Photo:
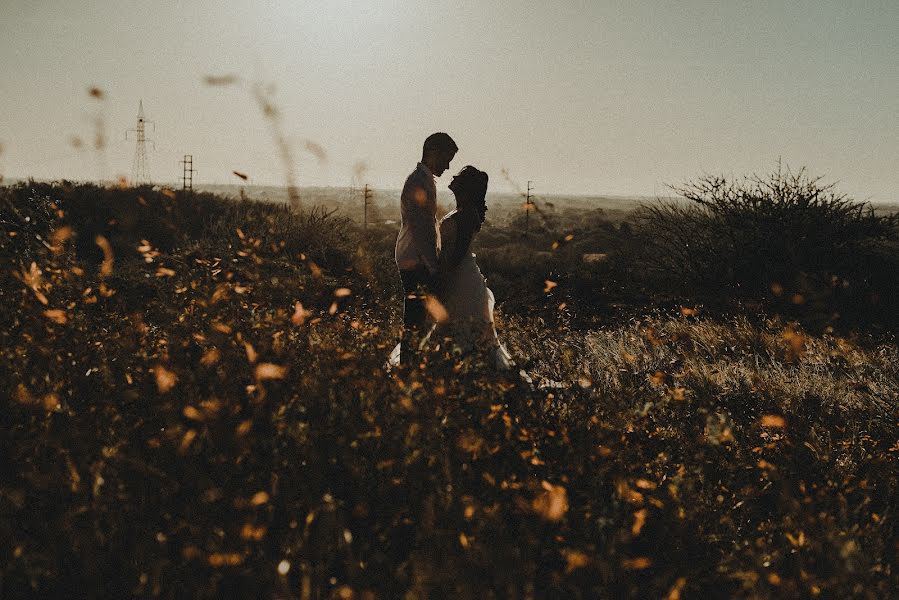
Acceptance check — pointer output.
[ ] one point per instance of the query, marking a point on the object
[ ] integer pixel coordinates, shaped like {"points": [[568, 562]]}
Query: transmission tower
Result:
{"points": [[366, 197], [140, 173], [187, 177], [527, 207]]}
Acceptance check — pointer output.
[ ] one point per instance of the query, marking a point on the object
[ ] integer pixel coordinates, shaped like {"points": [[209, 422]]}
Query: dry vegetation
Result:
{"points": [[195, 406]]}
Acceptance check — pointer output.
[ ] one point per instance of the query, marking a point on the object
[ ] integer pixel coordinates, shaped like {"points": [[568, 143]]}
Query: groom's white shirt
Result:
{"points": [[418, 242]]}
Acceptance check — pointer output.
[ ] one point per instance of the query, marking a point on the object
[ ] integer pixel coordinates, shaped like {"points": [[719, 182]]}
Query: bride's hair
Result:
{"points": [[473, 183], [470, 187]]}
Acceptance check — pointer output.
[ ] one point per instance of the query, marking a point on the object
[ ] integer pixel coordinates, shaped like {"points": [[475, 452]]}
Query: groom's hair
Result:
{"points": [[437, 142]]}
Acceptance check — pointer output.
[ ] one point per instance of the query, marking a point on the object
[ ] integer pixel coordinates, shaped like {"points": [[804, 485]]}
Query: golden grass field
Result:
{"points": [[195, 405]]}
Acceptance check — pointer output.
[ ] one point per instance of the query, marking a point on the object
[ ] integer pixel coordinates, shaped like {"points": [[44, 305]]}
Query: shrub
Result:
{"points": [[172, 221], [783, 234]]}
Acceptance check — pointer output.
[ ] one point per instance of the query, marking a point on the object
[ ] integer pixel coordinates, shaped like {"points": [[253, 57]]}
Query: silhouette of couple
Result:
{"points": [[444, 290]]}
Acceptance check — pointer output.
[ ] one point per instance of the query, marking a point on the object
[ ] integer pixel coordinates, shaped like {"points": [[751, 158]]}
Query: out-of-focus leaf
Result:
{"points": [[270, 371], [552, 502]]}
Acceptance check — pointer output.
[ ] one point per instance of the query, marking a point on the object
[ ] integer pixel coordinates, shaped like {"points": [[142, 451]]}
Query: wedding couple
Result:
{"points": [[445, 294]]}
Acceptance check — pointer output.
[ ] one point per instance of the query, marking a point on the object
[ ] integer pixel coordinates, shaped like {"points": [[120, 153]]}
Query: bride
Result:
{"points": [[464, 292], [468, 325]]}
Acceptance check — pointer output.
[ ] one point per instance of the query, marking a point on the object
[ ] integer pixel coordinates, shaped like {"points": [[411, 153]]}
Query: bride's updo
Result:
{"points": [[470, 187]]}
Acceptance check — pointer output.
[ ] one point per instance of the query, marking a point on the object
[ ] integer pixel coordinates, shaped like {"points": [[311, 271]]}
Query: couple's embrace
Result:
{"points": [[445, 295]]}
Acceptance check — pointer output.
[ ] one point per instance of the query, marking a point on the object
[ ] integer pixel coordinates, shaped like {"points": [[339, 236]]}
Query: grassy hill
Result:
{"points": [[195, 405]]}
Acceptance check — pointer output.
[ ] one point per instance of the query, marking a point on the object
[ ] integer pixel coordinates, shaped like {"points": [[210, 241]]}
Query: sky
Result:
{"points": [[586, 98]]}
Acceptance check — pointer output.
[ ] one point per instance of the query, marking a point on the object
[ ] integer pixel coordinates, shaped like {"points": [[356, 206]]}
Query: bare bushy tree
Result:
{"points": [[748, 234]]}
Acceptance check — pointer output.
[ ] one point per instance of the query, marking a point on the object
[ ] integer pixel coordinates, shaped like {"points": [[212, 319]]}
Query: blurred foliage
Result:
{"points": [[195, 405]]}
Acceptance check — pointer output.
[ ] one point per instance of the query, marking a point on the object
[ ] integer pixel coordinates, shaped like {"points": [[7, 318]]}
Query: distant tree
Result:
{"points": [[746, 235]]}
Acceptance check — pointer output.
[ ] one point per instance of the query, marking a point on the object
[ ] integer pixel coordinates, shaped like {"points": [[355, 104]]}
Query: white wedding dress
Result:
{"points": [[469, 326]]}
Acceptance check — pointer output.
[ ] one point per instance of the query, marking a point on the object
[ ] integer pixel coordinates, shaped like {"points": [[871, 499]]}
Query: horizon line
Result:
{"points": [[176, 185]]}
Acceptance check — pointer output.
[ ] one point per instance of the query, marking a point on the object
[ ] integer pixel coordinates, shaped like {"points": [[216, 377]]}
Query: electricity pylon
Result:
{"points": [[527, 208], [140, 173], [366, 197], [187, 176]]}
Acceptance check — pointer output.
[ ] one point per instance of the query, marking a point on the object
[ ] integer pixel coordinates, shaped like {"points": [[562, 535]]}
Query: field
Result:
{"points": [[195, 405]]}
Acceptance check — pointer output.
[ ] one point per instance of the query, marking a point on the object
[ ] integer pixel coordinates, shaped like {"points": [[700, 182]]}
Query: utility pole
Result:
{"points": [[366, 197], [187, 177], [140, 174], [527, 207]]}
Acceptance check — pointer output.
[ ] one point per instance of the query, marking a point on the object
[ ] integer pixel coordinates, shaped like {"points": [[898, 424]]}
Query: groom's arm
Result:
{"points": [[420, 211]]}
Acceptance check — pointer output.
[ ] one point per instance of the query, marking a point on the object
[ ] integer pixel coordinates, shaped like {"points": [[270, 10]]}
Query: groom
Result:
{"points": [[418, 242]]}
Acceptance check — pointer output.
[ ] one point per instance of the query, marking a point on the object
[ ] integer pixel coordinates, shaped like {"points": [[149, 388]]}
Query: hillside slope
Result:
{"points": [[195, 405]]}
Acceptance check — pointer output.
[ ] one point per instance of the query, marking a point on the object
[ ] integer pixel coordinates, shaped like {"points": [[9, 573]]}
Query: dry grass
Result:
{"points": [[175, 424]]}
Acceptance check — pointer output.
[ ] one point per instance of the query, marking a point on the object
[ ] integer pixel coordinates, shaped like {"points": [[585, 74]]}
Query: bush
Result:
{"points": [[783, 235], [173, 220]]}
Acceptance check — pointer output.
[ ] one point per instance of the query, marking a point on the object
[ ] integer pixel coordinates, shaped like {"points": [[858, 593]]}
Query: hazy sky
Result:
{"points": [[582, 97]]}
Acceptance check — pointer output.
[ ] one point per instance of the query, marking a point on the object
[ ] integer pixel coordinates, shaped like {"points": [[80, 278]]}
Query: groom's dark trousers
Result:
{"points": [[417, 285]]}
